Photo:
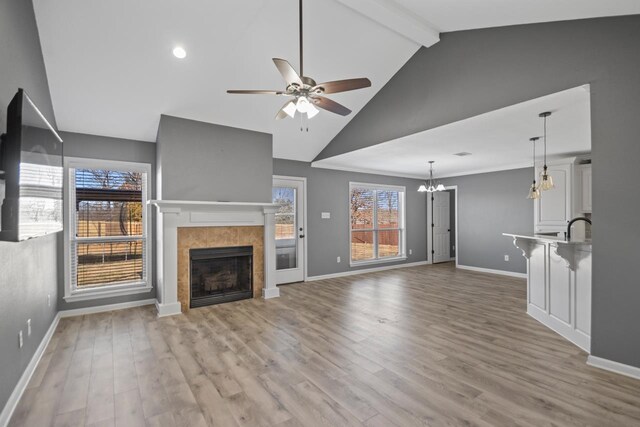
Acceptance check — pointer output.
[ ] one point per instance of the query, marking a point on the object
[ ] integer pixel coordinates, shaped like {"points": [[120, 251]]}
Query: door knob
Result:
{"points": [[301, 236]]}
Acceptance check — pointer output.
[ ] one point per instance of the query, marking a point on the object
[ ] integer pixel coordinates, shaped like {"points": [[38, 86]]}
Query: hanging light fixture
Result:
{"points": [[431, 185], [546, 181], [534, 191]]}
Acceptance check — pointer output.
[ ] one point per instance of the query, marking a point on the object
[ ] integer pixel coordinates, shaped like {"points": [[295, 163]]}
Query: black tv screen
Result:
{"points": [[31, 173]]}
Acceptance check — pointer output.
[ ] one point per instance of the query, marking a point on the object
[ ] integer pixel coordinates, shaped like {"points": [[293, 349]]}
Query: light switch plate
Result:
{"points": [[326, 215]]}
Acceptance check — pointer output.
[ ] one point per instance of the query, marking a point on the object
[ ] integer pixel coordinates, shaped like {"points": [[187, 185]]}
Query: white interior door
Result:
{"points": [[441, 227], [288, 193]]}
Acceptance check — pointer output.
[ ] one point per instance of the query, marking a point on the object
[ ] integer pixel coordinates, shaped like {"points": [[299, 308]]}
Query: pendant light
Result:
{"points": [[431, 185], [534, 191], [546, 181]]}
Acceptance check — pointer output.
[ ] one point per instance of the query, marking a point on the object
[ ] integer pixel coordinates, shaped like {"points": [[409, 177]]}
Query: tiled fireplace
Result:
{"points": [[218, 244], [188, 231]]}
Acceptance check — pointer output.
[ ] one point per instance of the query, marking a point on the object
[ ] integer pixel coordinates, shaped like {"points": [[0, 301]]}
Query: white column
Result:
{"points": [[167, 262], [270, 290]]}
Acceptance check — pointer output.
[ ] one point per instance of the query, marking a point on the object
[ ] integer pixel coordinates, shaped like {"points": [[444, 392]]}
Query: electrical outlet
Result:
{"points": [[20, 341], [338, 260], [28, 327], [326, 215], [410, 251], [49, 300], [506, 257]]}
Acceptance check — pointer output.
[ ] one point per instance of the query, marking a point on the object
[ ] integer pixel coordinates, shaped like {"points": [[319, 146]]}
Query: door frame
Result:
{"points": [[430, 229], [303, 180]]}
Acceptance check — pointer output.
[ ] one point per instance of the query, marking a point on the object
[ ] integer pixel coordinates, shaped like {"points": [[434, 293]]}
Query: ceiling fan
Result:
{"points": [[306, 93]]}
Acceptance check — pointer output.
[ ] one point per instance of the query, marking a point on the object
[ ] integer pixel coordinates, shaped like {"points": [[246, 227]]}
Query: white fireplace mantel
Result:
{"points": [[177, 206], [179, 213]]}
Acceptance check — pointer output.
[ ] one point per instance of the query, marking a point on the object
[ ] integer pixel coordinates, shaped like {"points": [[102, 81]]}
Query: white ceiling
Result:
{"points": [[498, 140], [455, 15], [111, 71]]}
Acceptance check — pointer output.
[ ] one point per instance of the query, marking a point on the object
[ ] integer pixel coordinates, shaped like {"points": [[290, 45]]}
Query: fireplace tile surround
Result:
{"points": [[182, 225], [218, 237]]}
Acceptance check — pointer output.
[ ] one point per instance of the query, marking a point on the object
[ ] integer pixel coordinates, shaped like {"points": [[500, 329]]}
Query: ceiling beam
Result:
{"points": [[397, 19]]}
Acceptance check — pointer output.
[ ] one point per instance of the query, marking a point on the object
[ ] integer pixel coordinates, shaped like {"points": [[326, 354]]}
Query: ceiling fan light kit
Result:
{"points": [[306, 92]]}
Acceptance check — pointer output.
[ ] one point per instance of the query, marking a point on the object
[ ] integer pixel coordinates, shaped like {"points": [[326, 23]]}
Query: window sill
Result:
{"points": [[377, 261], [92, 294]]}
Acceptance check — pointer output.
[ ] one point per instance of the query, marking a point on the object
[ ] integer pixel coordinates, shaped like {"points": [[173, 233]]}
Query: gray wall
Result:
{"points": [[490, 204], [105, 148], [471, 72], [207, 162], [27, 269], [328, 191]]}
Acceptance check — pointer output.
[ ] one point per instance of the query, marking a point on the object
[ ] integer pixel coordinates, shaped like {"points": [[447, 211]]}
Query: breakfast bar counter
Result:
{"points": [[559, 284]]}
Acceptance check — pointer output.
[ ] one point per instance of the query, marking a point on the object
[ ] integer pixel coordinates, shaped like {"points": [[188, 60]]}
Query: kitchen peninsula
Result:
{"points": [[559, 284]]}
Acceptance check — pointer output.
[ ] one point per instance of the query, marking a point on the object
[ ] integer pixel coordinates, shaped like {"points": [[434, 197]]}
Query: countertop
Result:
{"points": [[549, 239]]}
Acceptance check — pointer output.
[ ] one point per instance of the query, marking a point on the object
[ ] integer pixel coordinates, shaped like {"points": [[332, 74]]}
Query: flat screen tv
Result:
{"points": [[30, 173]]}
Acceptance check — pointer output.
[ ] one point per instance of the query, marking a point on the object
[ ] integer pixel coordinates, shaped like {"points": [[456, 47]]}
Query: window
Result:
{"points": [[377, 230], [107, 233]]}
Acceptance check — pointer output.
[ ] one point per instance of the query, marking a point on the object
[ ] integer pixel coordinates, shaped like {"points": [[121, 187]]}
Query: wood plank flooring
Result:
{"points": [[428, 345]]}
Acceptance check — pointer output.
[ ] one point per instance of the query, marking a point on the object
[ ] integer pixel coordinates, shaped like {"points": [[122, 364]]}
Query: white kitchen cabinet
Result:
{"points": [[554, 208], [584, 180]]}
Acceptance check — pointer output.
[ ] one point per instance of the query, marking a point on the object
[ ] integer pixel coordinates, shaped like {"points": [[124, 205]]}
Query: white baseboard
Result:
{"points": [[105, 308], [492, 271], [171, 309], [270, 293], [617, 367], [365, 270], [20, 387]]}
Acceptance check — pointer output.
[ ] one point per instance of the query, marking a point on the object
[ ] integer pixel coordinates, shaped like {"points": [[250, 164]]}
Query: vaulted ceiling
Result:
{"points": [[111, 71]]}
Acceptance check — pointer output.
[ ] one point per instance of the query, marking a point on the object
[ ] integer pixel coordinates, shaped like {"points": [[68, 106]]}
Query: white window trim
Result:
{"points": [[71, 295], [402, 226]]}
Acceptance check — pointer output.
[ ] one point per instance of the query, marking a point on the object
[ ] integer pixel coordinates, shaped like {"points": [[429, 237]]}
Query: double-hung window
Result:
{"points": [[108, 232], [377, 223]]}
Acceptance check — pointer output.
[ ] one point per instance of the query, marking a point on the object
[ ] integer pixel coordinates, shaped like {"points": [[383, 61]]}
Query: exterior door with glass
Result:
{"points": [[288, 194]]}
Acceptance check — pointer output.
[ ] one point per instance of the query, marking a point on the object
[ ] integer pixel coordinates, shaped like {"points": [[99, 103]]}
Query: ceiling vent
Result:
{"points": [[462, 154]]}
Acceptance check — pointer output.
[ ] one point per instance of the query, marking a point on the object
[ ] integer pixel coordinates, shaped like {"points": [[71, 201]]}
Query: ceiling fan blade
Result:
{"points": [[329, 105], [287, 71], [256, 92], [343, 85]]}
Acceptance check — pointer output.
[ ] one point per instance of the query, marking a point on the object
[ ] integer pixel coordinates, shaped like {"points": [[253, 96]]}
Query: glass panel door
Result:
{"points": [[286, 227]]}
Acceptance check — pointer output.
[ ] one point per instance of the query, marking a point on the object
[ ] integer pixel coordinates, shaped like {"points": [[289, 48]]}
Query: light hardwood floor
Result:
{"points": [[418, 346]]}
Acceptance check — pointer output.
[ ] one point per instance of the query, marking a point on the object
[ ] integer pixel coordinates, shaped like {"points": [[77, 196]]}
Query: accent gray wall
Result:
{"points": [[28, 269], [472, 72], [207, 162], [105, 148], [328, 191], [490, 204]]}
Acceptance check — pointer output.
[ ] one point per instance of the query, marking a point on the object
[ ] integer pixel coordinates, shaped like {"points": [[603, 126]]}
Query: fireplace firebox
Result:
{"points": [[220, 275]]}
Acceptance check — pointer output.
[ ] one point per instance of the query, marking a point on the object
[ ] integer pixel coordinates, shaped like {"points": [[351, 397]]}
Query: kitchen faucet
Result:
{"points": [[579, 218]]}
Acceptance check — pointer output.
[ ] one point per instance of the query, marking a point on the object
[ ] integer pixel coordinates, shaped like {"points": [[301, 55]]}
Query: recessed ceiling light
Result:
{"points": [[462, 154], [179, 52]]}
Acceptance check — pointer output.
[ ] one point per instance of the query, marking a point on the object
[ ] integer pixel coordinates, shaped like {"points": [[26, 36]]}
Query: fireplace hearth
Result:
{"points": [[220, 275]]}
